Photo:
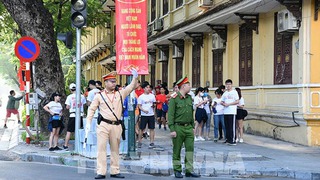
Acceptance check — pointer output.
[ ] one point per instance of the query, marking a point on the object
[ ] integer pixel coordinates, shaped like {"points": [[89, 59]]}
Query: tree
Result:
{"points": [[33, 19], [8, 67]]}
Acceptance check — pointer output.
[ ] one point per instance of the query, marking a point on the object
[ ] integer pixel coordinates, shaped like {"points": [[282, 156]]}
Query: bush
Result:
{"points": [[41, 137], [23, 117]]}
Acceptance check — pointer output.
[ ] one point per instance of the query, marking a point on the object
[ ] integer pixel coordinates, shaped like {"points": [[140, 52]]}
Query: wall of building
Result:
{"points": [[312, 115], [266, 103]]}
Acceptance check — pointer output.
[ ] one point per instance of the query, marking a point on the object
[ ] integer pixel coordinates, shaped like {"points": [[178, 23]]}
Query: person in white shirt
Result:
{"points": [[201, 114], [54, 107], [218, 114], [229, 100], [146, 104], [94, 90], [71, 105], [241, 114]]}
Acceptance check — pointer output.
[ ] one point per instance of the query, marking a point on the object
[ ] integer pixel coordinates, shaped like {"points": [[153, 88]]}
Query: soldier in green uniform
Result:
{"points": [[181, 124]]}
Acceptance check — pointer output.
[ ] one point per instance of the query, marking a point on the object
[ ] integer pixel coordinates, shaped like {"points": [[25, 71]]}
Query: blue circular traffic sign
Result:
{"points": [[27, 49]]}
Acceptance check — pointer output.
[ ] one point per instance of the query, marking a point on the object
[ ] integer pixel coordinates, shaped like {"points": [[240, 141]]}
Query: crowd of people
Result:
{"points": [[188, 116]]}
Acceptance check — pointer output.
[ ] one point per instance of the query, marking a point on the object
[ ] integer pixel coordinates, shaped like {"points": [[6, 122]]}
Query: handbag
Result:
{"points": [[165, 107], [56, 117]]}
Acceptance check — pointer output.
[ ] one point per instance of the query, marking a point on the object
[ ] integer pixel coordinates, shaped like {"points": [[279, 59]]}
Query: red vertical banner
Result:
{"points": [[131, 36]]}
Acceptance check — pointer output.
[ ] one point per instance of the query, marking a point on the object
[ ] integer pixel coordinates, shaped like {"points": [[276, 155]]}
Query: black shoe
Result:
{"points": [[57, 148], [151, 146], [51, 149], [65, 147], [178, 174], [19, 122], [165, 128], [116, 176], [220, 138], [159, 126], [99, 176], [193, 175], [5, 126]]}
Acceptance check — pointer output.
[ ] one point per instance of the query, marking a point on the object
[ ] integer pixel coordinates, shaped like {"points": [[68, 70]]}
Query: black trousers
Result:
{"points": [[220, 130], [230, 124]]}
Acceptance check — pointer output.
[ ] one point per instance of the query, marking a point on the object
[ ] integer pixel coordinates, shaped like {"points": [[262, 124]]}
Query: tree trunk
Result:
{"points": [[36, 21]]}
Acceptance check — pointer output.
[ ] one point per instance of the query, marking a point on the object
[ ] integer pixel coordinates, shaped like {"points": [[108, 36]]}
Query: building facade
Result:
{"points": [[269, 48]]}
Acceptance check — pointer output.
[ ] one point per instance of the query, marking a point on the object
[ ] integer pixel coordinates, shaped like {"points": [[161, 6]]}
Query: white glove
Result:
{"points": [[134, 73], [87, 130]]}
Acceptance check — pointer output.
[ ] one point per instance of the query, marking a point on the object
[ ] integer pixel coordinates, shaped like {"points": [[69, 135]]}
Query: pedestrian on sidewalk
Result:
{"points": [[181, 124], [71, 104], [218, 114], [146, 104], [54, 107], [110, 103], [222, 88], [11, 107], [229, 100], [162, 104], [241, 114], [92, 93], [201, 114], [206, 126]]}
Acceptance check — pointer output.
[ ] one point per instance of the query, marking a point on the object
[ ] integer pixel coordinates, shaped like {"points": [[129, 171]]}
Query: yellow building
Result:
{"points": [[267, 47]]}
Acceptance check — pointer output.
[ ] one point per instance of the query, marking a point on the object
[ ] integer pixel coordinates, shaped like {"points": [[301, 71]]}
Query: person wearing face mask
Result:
{"points": [[207, 107], [201, 114]]}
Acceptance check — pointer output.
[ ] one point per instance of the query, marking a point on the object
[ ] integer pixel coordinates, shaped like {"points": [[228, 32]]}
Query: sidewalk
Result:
{"points": [[257, 156]]}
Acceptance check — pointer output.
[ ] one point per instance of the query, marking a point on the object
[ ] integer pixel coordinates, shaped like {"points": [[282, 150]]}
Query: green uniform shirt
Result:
{"points": [[11, 102], [180, 111]]}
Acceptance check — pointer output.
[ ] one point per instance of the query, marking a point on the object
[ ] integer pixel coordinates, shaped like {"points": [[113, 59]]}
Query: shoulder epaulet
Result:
{"points": [[174, 95]]}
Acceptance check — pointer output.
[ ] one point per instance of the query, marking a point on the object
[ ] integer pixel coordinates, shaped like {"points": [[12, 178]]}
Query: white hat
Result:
{"points": [[72, 86]]}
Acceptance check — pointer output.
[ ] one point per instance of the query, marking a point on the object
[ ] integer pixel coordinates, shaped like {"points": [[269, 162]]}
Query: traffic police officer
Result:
{"points": [[181, 124], [109, 129]]}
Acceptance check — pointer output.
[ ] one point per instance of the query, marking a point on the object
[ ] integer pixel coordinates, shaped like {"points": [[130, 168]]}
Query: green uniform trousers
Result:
{"points": [[184, 135]]}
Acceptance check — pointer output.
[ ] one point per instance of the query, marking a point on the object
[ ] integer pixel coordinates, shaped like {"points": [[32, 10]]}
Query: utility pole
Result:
{"points": [[78, 20]]}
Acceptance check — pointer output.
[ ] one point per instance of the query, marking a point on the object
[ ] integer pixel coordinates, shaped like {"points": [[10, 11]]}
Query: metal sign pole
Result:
{"points": [[78, 89]]}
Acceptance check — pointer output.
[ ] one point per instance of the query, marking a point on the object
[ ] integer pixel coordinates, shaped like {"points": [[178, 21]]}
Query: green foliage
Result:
{"points": [[70, 77], [8, 63], [23, 117], [41, 137], [23, 136], [60, 10]]}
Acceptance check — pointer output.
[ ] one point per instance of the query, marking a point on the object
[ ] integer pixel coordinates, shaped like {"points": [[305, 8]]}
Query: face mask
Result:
{"points": [[205, 94], [201, 94]]}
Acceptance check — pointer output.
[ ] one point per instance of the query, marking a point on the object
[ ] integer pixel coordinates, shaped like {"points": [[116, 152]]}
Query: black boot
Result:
{"points": [[178, 174], [99, 176], [116, 176], [192, 174]]}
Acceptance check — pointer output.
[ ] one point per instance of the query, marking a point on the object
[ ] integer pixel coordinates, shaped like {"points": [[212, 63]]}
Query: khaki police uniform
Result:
{"points": [[110, 132]]}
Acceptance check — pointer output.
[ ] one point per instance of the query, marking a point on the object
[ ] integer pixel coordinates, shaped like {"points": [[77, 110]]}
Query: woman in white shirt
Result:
{"points": [[201, 114], [54, 107], [241, 114]]}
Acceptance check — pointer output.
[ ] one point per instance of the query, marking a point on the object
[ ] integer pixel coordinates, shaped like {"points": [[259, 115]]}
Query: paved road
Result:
{"points": [[33, 171]]}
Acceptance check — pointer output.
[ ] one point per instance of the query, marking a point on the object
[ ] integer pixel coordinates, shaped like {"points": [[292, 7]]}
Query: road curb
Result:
{"points": [[76, 161]]}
